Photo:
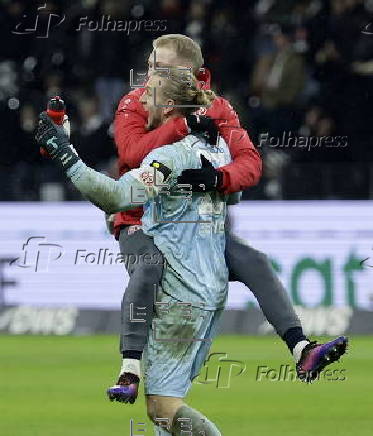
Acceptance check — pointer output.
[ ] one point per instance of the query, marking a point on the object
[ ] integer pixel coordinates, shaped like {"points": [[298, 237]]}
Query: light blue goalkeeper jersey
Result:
{"points": [[188, 228]]}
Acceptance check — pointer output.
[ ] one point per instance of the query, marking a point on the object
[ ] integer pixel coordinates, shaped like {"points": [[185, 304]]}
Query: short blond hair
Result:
{"points": [[185, 48], [181, 86]]}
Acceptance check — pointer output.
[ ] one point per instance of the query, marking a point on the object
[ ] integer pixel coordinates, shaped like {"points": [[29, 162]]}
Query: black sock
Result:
{"points": [[132, 354], [292, 336]]}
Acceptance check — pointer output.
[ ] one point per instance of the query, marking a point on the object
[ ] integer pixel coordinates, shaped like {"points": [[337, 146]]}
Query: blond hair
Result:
{"points": [[181, 86], [185, 48]]}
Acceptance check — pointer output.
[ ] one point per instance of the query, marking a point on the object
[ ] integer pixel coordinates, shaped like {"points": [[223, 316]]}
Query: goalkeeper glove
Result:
{"points": [[202, 179], [55, 141], [203, 125]]}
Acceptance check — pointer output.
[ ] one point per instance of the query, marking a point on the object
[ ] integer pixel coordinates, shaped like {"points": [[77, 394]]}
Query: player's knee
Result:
{"points": [[260, 259], [240, 256], [161, 410], [248, 263], [157, 409]]}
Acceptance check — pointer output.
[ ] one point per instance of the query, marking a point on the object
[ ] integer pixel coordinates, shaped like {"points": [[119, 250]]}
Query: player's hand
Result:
{"points": [[109, 218], [67, 128], [55, 141], [202, 124], [202, 179]]}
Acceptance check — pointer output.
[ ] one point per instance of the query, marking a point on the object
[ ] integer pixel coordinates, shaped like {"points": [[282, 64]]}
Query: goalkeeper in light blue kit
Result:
{"points": [[188, 228]]}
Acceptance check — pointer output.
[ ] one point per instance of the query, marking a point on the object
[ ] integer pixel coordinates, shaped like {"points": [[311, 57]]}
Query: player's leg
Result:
{"points": [[161, 411], [144, 264], [254, 269], [177, 347], [174, 417]]}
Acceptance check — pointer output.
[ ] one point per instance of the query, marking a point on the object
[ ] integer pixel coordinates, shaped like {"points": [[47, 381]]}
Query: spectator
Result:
{"points": [[278, 80], [312, 76]]}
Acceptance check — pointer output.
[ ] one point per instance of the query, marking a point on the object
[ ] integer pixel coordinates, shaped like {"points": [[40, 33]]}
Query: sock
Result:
{"points": [[297, 351], [188, 419], [132, 354], [132, 366], [292, 336]]}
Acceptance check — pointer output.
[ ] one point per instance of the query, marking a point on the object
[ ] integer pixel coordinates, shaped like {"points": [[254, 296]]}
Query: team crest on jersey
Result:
{"points": [[201, 111], [147, 178]]}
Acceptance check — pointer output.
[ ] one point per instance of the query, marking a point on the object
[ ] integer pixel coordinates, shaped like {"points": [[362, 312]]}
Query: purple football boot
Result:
{"points": [[315, 357], [126, 389]]}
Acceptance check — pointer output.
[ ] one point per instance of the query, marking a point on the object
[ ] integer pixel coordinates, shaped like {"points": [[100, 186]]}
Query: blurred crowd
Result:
{"points": [[298, 72]]}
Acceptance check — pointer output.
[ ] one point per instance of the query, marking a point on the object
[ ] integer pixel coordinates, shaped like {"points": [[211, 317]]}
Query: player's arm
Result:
{"points": [[134, 188], [246, 166], [245, 169]]}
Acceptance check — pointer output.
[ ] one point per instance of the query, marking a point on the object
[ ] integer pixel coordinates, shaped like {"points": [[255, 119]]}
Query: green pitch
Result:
{"points": [[55, 386]]}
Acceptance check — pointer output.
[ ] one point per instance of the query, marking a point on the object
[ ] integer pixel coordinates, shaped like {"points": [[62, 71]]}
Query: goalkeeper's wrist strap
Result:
{"points": [[66, 157]]}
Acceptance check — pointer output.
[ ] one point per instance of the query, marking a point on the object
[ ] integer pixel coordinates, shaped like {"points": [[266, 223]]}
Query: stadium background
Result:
{"points": [[321, 244]]}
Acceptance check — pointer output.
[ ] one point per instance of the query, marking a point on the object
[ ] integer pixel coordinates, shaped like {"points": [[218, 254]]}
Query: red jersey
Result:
{"points": [[134, 143]]}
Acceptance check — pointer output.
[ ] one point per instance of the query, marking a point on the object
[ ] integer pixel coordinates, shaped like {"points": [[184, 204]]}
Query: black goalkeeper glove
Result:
{"points": [[202, 179], [203, 125], [55, 141]]}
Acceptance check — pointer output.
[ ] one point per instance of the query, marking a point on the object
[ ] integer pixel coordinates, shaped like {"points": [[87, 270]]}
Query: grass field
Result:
{"points": [[55, 386]]}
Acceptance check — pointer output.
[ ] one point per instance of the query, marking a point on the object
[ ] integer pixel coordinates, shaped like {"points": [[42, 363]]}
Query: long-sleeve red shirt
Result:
{"points": [[134, 142]]}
